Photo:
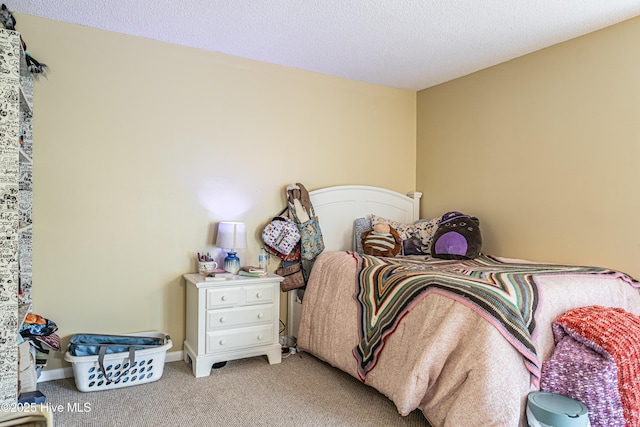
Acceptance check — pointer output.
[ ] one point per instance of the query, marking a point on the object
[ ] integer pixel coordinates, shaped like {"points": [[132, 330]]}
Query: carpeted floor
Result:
{"points": [[300, 391]]}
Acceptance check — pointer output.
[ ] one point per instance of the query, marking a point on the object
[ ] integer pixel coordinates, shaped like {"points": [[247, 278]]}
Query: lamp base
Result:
{"points": [[232, 263]]}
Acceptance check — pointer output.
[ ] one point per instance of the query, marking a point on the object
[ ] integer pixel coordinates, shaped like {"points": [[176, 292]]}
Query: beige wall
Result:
{"points": [[141, 147], [544, 149]]}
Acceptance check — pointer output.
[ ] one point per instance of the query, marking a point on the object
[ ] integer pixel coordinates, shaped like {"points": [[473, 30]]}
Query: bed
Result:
{"points": [[443, 357]]}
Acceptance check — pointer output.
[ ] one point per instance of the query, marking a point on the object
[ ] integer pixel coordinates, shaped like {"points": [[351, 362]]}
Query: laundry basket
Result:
{"points": [[132, 364]]}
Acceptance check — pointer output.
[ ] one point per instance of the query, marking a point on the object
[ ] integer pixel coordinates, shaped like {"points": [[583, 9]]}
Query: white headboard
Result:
{"points": [[338, 207]]}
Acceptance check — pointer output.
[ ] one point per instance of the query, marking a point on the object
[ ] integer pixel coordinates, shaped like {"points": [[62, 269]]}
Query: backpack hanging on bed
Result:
{"points": [[278, 235], [281, 234]]}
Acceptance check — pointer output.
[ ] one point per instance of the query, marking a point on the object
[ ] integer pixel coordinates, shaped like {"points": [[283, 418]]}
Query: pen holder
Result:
{"points": [[206, 267]]}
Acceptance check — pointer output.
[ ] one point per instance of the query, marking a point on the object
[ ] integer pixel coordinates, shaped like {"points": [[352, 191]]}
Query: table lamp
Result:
{"points": [[232, 236]]}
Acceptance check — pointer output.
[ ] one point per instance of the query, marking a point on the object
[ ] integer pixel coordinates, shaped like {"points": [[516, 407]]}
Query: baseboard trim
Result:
{"points": [[174, 356], [61, 373], [55, 374]]}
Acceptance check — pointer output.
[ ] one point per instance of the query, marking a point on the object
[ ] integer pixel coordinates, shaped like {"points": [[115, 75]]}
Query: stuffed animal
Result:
{"points": [[382, 240], [457, 237]]}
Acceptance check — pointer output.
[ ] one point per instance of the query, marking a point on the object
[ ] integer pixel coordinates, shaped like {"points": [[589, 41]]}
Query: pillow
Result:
{"points": [[416, 237], [360, 225], [457, 237]]}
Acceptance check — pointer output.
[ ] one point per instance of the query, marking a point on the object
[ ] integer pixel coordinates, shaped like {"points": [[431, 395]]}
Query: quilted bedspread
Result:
{"points": [[444, 357], [503, 293]]}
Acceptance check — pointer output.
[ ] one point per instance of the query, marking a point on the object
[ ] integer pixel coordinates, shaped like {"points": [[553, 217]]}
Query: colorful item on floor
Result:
{"points": [[605, 342], [35, 324], [40, 332]]}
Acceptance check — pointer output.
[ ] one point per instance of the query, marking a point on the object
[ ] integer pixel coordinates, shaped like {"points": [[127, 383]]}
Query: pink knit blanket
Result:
{"points": [[615, 334]]}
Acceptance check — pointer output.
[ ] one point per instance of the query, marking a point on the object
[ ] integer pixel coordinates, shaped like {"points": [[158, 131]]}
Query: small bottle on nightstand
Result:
{"points": [[263, 259]]}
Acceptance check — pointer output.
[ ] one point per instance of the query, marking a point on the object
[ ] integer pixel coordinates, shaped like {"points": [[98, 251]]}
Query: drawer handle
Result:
{"points": [[221, 342], [260, 315], [223, 297], [259, 295], [222, 320], [259, 337]]}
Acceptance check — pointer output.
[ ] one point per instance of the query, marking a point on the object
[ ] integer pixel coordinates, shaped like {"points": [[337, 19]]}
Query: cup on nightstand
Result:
{"points": [[206, 267]]}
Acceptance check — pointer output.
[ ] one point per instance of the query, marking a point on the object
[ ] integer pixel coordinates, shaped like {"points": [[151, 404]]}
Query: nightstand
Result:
{"points": [[231, 319]]}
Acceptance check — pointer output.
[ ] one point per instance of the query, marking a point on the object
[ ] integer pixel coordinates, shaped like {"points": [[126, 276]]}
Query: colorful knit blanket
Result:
{"points": [[604, 339], [503, 293]]}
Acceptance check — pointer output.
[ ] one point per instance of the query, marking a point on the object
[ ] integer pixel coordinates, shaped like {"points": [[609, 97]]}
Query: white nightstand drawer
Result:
{"points": [[241, 316], [235, 338], [258, 293], [223, 297]]}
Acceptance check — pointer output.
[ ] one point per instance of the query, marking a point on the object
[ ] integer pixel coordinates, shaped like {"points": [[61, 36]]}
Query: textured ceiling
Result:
{"points": [[409, 44]]}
